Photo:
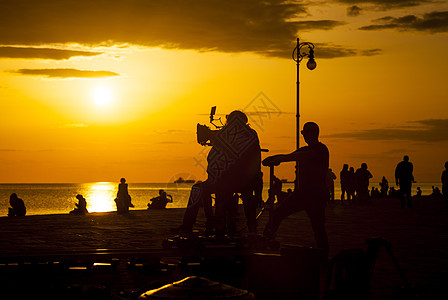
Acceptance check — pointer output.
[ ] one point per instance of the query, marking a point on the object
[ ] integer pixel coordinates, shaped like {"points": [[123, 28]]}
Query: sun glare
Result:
{"points": [[101, 196], [102, 96]]}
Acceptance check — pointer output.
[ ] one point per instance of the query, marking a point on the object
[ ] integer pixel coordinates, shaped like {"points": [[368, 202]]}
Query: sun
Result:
{"points": [[102, 96]]}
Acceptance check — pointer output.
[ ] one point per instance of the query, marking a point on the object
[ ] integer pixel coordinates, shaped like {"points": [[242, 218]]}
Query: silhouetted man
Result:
{"points": [[330, 184], [362, 176], [404, 179], [445, 183], [234, 165], [311, 193], [344, 178]]}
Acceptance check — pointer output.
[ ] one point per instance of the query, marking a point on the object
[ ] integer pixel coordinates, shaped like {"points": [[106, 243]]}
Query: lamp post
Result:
{"points": [[302, 50]]}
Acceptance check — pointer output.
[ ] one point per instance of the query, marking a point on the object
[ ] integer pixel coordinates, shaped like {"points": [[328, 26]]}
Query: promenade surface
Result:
{"points": [[419, 236]]}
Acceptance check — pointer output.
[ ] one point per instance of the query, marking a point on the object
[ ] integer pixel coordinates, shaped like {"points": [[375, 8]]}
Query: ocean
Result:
{"points": [[59, 198]]}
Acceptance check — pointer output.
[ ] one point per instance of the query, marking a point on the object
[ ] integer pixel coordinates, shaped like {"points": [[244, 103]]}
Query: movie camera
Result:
{"points": [[204, 133]]}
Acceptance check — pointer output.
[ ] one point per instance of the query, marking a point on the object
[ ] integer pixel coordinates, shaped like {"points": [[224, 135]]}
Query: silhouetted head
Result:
{"points": [[122, 180], [13, 196], [237, 115], [406, 158], [352, 169], [310, 132], [79, 197], [161, 192], [345, 167], [364, 166]]}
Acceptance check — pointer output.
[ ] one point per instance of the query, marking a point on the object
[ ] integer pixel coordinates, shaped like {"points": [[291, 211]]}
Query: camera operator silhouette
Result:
{"points": [[234, 165], [311, 193]]}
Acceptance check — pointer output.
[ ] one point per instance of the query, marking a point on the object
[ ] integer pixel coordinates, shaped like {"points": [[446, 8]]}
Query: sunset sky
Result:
{"points": [[98, 90]]}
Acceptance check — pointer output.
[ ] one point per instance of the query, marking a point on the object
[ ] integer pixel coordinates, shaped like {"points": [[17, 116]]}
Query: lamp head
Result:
{"points": [[311, 64]]}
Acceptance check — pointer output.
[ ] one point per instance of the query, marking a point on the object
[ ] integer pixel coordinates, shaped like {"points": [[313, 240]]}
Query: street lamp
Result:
{"points": [[302, 50]]}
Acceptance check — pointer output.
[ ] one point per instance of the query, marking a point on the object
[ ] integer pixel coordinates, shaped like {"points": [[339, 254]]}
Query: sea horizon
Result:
{"points": [[59, 198]]}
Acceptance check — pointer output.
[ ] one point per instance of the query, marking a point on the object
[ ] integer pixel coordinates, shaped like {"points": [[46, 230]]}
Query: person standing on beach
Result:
{"points": [[311, 193], [404, 179], [344, 178], [384, 184], [351, 184], [362, 176], [330, 184], [18, 206], [445, 183]]}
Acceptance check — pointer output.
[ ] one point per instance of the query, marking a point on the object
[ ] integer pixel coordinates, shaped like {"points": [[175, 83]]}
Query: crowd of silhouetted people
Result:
{"points": [[355, 185]]}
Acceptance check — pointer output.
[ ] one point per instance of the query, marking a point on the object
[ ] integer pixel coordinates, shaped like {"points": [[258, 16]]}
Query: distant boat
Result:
{"points": [[181, 180]]}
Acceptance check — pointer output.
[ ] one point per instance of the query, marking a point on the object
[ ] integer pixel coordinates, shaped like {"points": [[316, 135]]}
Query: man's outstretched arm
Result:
{"points": [[275, 160]]}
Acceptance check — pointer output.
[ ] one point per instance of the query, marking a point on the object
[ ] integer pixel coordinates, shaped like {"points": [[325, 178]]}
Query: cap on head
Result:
{"points": [[237, 115]]}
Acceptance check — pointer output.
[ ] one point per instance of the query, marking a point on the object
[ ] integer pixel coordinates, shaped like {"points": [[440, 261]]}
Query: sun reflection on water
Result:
{"points": [[100, 197]]}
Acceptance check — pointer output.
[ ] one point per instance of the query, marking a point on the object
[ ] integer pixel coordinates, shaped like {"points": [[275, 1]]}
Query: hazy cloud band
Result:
{"points": [[65, 73], [42, 53], [430, 130]]}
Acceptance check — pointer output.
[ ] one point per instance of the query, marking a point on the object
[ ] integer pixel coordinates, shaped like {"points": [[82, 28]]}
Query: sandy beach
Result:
{"points": [[419, 237]]}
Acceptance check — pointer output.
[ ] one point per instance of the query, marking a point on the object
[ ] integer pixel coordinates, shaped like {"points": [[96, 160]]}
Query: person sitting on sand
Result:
{"points": [[123, 199], [18, 206], [160, 201], [81, 206]]}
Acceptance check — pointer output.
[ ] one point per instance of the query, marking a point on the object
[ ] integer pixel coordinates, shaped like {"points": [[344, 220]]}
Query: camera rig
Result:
{"points": [[204, 133]]}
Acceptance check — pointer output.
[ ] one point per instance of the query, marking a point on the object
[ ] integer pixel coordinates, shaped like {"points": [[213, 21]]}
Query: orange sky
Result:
{"points": [[99, 90]]}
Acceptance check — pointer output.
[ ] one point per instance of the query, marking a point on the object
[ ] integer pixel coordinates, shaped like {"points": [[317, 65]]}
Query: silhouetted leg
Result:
{"points": [[232, 212], [290, 205], [409, 195], [250, 210], [206, 199], [221, 202], [405, 192], [316, 213], [191, 212]]}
